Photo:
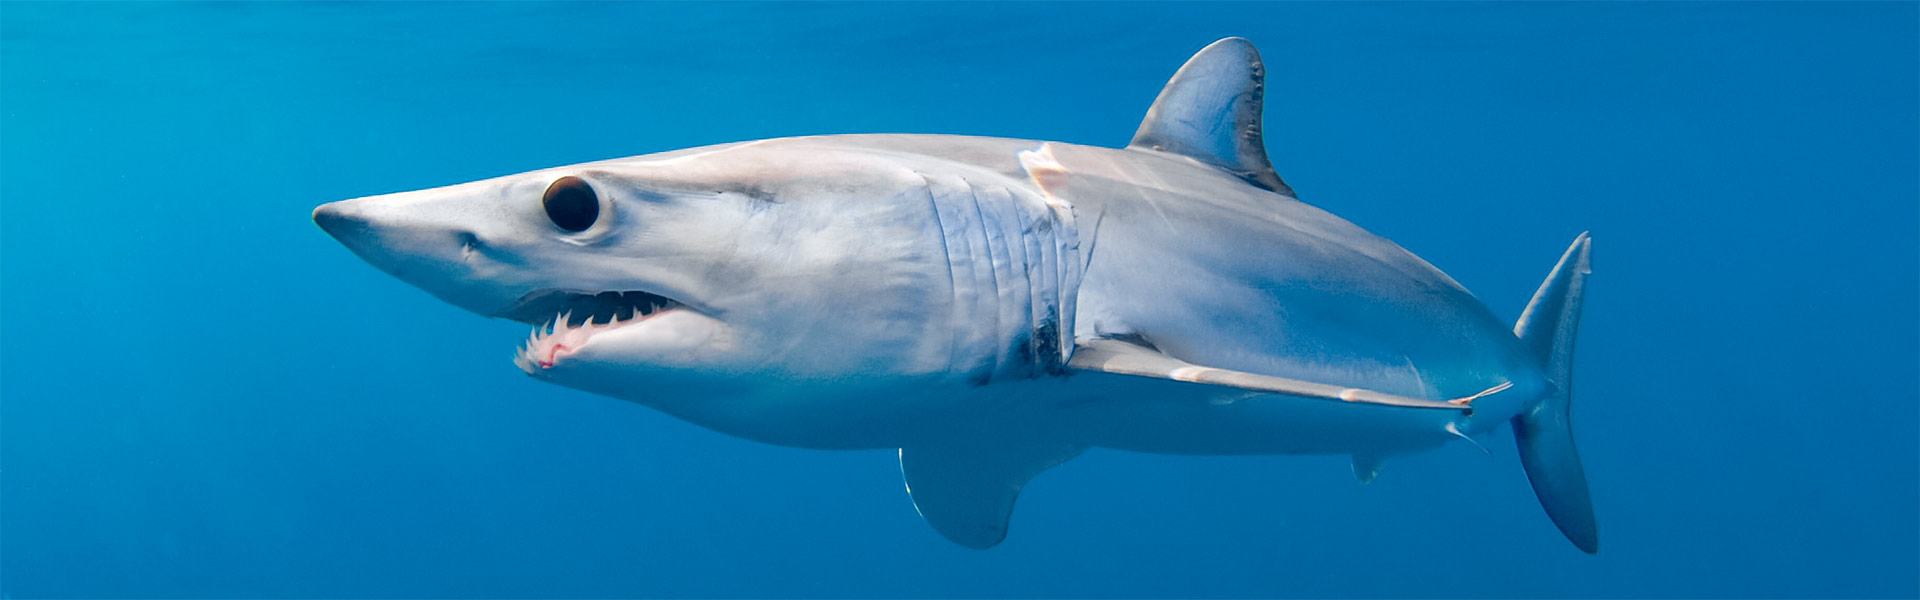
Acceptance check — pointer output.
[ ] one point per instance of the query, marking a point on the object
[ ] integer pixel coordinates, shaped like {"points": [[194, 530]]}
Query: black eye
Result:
{"points": [[571, 204]]}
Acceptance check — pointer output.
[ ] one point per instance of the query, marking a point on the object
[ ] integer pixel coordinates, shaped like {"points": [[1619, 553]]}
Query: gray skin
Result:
{"points": [[1209, 270], [993, 306]]}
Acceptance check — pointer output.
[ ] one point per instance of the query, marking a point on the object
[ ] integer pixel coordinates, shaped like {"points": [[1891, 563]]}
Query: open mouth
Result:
{"points": [[564, 321], [545, 306]]}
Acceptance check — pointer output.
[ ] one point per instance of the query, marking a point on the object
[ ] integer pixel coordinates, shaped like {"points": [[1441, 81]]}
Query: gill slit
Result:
{"points": [[953, 280], [1017, 304], [1033, 266], [993, 272]]}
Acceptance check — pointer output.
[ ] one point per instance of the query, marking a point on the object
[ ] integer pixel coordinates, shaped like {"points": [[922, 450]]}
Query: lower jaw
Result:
{"points": [[674, 343], [548, 345]]}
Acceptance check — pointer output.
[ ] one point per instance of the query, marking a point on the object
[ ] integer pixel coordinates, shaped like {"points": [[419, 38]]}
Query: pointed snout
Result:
{"points": [[375, 236], [339, 219], [382, 229], [368, 233], [423, 242]]}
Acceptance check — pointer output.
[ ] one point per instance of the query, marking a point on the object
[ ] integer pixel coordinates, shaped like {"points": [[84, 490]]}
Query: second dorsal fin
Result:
{"points": [[1210, 111]]}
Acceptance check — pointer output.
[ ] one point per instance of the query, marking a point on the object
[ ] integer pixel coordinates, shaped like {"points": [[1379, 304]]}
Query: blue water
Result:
{"points": [[204, 396]]}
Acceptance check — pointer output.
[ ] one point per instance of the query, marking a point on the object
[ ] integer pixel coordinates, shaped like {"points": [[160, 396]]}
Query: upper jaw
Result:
{"points": [[540, 307]]}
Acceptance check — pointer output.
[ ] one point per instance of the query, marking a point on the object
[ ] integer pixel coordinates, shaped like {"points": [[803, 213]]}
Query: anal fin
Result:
{"points": [[966, 490]]}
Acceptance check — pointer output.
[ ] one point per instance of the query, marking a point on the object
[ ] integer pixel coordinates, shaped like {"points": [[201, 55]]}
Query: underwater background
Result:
{"points": [[204, 396]]}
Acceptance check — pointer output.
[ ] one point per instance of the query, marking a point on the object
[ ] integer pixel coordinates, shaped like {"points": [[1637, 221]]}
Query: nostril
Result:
{"points": [[469, 244]]}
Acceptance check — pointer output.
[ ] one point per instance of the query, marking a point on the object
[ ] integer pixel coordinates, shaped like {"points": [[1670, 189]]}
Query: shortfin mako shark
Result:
{"points": [[993, 307]]}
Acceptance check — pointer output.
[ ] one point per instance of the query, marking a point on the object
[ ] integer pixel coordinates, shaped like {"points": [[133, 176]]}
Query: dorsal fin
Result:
{"points": [[1210, 111]]}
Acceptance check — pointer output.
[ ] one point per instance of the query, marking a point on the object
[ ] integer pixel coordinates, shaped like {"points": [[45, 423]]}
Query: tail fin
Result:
{"points": [[1545, 429]]}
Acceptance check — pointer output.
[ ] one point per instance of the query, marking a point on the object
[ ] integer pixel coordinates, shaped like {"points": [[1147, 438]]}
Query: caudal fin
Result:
{"points": [[1545, 429]]}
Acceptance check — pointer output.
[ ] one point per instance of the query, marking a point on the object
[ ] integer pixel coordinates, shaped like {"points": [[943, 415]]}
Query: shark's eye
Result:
{"points": [[571, 204]]}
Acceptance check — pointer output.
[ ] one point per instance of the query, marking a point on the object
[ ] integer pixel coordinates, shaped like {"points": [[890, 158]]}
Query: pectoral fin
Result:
{"points": [[966, 491], [1123, 357]]}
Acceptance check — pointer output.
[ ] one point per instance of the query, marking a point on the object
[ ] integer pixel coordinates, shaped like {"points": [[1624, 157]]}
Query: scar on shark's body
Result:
{"points": [[994, 307]]}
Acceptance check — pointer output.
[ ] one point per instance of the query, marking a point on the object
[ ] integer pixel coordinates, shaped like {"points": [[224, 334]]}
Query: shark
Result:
{"points": [[991, 308]]}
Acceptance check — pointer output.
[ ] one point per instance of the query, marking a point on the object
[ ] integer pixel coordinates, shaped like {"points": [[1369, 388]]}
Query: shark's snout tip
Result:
{"points": [[335, 218]]}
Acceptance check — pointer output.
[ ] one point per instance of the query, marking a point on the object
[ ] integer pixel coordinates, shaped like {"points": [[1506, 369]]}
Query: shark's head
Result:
{"points": [[694, 276]]}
